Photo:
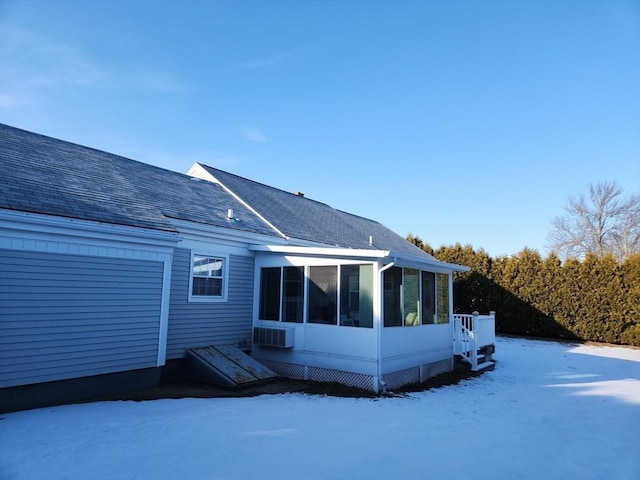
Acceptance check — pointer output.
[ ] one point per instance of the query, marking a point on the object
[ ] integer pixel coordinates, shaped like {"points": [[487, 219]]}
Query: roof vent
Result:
{"points": [[298, 194], [230, 214], [371, 240]]}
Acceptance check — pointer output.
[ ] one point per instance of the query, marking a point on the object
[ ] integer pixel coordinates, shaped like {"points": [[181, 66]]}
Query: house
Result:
{"points": [[112, 269]]}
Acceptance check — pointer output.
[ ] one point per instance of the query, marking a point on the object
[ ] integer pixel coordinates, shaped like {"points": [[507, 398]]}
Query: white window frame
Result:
{"points": [[225, 278]]}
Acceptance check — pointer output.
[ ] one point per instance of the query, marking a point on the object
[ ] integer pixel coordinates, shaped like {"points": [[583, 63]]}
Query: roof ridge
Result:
{"points": [[288, 193], [358, 216]]}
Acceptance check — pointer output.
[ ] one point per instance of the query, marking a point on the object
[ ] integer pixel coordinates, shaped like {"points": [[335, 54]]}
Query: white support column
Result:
{"points": [[378, 314], [450, 281], [164, 310]]}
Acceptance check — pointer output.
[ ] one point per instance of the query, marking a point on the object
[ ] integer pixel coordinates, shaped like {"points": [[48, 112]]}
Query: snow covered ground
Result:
{"points": [[548, 411]]}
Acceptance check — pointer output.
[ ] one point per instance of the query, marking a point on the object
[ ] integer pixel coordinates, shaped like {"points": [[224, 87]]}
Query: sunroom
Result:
{"points": [[373, 319]]}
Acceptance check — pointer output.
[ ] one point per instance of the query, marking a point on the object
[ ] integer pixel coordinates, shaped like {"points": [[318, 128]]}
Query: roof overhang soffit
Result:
{"points": [[409, 261], [382, 256], [325, 252]]}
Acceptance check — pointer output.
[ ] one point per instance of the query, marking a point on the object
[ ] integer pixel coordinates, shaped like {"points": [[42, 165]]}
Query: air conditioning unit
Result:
{"points": [[273, 337]]}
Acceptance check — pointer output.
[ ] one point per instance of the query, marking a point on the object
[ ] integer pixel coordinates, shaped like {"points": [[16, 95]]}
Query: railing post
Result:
{"points": [[456, 335], [473, 344], [492, 313]]}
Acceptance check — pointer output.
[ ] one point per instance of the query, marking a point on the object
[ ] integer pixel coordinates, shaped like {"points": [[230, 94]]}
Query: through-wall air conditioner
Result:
{"points": [[273, 337]]}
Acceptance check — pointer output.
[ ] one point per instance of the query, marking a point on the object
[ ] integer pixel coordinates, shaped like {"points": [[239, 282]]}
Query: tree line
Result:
{"points": [[595, 298]]}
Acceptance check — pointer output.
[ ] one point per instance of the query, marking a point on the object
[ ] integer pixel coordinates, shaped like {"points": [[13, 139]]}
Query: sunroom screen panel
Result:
{"points": [[293, 294], [323, 294], [411, 284], [269, 294]]}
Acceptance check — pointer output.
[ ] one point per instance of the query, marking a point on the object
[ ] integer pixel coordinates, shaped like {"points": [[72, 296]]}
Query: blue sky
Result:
{"points": [[457, 121]]}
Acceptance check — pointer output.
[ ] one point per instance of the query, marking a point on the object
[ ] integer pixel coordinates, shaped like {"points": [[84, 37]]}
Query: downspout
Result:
{"points": [[381, 384]]}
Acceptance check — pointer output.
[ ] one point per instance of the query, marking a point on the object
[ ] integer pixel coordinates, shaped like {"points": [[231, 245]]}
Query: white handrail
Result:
{"points": [[465, 341], [473, 332]]}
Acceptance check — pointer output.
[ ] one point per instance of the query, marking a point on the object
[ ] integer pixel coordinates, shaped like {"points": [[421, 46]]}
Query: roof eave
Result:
{"points": [[430, 261], [357, 253], [321, 251]]}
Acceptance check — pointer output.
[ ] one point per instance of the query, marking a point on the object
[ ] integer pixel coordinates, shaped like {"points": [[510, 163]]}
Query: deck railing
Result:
{"points": [[472, 333]]}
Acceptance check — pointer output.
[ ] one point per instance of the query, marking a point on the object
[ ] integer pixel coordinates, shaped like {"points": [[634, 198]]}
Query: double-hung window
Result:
{"points": [[208, 278]]}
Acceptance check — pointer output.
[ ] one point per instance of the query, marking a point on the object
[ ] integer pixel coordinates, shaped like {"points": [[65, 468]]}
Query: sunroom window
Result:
{"points": [[356, 295], [413, 297], [337, 295], [393, 297], [323, 295], [411, 282], [282, 294], [293, 294], [428, 298], [442, 302], [270, 293]]}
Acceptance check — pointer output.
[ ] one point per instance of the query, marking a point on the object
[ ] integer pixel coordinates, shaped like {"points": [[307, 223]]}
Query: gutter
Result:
{"points": [[47, 224]]}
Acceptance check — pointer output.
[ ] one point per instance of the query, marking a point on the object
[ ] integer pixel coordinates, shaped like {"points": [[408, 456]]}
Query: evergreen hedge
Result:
{"points": [[594, 299]]}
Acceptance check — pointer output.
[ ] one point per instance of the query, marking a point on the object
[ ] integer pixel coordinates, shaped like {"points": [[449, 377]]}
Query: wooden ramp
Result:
{"points": [[225, 365]]}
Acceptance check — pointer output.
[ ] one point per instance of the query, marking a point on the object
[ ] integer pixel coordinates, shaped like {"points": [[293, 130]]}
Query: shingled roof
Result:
{"points": [[48, 176], [299, 217]]}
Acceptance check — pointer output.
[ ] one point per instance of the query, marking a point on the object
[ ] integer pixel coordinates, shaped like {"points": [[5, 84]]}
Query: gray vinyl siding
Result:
{"points": [[67, 316], [195, 324]]}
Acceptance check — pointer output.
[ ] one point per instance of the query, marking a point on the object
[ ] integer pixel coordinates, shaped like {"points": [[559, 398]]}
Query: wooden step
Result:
{"points": [[484, 366]]}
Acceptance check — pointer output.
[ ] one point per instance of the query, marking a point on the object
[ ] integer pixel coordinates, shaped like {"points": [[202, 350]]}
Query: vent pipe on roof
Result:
{"points": [[298, 194], [230, 214], [371, 240]]}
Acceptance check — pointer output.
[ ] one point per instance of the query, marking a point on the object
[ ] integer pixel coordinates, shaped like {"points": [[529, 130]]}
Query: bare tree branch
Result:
{"points": [[604, 222]]}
